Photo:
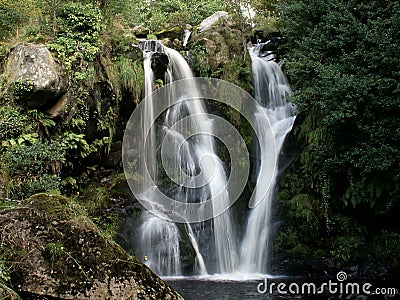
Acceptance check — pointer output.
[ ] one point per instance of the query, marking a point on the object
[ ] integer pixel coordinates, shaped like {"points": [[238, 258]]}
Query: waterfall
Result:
{"points": [[183, 162], [190, 161], [271, 89], [186, 37], [159, 239], [159, 242]]}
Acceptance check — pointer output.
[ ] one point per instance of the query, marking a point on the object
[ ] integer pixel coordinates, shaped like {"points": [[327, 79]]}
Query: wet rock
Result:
{"points": [[33, 77], [61, 254], [171, 33], [159, 64], [58, 109]]}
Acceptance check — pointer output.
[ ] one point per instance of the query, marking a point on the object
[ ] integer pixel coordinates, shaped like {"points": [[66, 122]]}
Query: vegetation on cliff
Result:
{"points": [[340, 197], [50, 247]]}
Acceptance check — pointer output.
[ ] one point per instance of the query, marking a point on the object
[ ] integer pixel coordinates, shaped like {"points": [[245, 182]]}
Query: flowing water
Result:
{"points": [[194, 160], [186, 37], [188, 161], [271, 90]]}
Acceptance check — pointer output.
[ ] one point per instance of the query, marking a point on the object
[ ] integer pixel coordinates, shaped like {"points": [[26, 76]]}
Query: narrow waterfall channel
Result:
{"points": [[215, 243], [271, 89]]}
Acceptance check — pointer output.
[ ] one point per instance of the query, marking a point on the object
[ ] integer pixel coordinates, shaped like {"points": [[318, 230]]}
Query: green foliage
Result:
{"points": [[55, 249], [387, 245], [96, 199], [200, 60], [14, 14], [21, 89], [41, 154], [348, 84], [77, 39], [125, 75], [161, 14], [32, 158], [342, 189], [9, 18], [4, 270], [29, 161]]}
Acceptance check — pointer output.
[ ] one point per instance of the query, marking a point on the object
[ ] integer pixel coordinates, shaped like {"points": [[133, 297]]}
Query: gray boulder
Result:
{"points": [[33, 77]]}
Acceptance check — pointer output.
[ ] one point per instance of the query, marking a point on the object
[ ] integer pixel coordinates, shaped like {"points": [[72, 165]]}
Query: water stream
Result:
{"points": [[195, 160], [215, 243], [271, 90]]}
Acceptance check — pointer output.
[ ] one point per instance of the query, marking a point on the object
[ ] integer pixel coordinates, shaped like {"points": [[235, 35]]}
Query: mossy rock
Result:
{"points": [[33, 76], [55, 250], [171, 33]]}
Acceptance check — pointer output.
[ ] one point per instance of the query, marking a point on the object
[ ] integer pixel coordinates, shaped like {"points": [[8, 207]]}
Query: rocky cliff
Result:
{"points": [[53, 250]]}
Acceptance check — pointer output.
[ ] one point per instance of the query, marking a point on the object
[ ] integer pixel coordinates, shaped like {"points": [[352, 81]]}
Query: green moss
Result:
{"points": [[171, 33], [70, 243]]}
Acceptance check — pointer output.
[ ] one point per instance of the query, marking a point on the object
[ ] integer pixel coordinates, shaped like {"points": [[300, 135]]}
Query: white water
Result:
{"points": [[195, 160], [159, 241], [271, 89], [202, 269], [186, 37], [183, 159]]}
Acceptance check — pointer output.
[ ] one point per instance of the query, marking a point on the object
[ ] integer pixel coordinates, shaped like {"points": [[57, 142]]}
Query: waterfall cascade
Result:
{"points": [[196, 158], [271, 89]]}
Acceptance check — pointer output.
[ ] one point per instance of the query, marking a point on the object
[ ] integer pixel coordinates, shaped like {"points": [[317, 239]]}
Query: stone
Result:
{"points": [[171, 33], [221, 45], [61, 254], [33, 77], [159, 64], [141, 31], [58, 109], [209, 22]]}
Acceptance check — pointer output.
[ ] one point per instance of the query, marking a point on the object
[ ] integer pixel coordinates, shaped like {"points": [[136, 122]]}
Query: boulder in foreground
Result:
{"points": [[54, 250]]}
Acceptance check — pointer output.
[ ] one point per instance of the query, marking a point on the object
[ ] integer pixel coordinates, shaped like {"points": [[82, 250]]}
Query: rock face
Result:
{"points": [[159, 64], [62, 254], [221, 45], [209, 22], [34, 77]]}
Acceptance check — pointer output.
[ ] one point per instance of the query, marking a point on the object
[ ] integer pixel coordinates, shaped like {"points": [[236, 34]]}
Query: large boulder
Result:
{"points": [[141, 31], [159, 64], [61, 254], [221, 45], [33, 77]]}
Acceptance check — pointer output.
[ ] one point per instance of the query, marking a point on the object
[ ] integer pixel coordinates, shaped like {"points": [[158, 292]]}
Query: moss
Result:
{"points": [[58, 246], [171, 33]]}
